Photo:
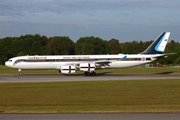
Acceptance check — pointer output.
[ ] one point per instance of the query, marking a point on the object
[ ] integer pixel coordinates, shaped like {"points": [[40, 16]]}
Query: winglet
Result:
{"points": [[159, 44]]}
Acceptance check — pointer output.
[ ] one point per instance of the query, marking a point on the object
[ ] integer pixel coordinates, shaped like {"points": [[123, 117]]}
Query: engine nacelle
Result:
{"points": [[68, 69], [87, 66]]}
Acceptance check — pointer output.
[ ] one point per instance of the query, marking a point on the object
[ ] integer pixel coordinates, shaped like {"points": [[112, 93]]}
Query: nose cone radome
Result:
{"points": [[8, 64]]}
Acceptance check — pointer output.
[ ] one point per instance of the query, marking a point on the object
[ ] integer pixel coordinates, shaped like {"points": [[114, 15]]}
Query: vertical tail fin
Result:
{"points": [[159, 44]]}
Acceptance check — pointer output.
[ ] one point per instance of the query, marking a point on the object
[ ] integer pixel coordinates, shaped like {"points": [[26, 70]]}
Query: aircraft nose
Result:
{"points": [[7, 63]]}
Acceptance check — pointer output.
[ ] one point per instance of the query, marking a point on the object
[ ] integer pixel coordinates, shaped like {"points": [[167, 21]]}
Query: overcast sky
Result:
{"points": [[125, 20]]}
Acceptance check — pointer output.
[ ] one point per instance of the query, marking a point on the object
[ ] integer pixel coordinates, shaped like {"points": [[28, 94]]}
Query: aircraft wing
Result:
{"points": [[104, 63]]}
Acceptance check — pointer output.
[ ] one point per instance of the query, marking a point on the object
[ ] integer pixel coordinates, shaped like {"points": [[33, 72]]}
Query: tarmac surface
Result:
{"points": [[73, 77], [123, 116], [10, 78]]}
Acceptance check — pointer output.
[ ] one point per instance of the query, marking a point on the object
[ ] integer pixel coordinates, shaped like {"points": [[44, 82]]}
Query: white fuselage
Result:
{"points": [[56, 61]]}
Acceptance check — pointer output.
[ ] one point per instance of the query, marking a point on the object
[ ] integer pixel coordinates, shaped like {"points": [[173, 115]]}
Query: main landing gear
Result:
{"points": [[87, 73], [20, 72]]}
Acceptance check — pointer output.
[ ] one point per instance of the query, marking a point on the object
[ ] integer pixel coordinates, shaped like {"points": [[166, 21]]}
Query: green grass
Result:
{"points": [[133, 70], [91, 97]]}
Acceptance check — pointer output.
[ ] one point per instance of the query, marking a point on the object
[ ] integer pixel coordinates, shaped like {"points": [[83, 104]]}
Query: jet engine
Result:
{"points": [[87, 66], [68, 69]]}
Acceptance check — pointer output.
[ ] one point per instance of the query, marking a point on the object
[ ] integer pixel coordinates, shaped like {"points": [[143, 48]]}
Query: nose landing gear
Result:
{"points": [[20, 72]]}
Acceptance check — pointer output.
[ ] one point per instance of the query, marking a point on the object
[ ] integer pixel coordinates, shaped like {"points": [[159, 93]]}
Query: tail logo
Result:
{"points": [[160, 47]]}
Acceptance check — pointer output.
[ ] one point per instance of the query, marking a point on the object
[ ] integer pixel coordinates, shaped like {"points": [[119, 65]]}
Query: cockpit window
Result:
{"points": [[10, 60], [19, 60]]}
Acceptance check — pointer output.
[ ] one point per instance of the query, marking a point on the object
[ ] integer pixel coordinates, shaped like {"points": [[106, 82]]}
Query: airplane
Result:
{"points": [[67, 64]]}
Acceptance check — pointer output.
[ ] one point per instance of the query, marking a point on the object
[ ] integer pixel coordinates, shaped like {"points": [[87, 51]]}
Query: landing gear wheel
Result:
{"points": [[89, 73], [86, 73], [20, 73], [93, 73]]}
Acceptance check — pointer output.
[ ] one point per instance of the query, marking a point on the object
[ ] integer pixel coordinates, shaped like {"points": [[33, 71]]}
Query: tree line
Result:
{"points": [[63, 45]]}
